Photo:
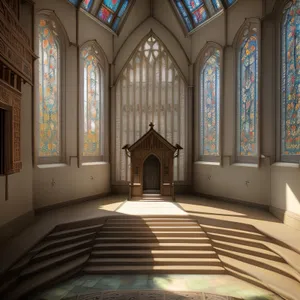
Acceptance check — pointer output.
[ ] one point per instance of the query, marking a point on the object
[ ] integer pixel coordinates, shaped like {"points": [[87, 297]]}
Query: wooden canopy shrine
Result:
{"points": [[151, 165]]}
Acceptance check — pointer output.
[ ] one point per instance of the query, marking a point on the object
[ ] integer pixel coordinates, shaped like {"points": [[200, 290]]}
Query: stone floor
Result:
{"points": [[196, 206], [175, 284]]}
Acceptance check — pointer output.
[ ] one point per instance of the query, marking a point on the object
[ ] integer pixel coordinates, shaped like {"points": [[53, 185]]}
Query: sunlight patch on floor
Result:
{"points": [[150, 208]]}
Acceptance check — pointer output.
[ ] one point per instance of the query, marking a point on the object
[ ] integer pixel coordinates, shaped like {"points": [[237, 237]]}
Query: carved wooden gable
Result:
{"points": [[152, 140]]}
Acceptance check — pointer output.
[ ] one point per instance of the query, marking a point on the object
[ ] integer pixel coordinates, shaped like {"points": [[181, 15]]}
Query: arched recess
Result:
{"points": [[208, 76], [50, 93], [150, 88], [161, 32], [94, 109], [151, 165], [247, 69]]}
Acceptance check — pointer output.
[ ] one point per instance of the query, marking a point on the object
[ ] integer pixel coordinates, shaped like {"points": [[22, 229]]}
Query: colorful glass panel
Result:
{"points": [[75, 2], [184, 15], [116, 24], [86, 4], [49, 82], [248, 93], [92, 104], [210, 104], [217, 5], [105, 15], [290, 80], [193, 4], [112, 4], [123, 8], [199, 15]]}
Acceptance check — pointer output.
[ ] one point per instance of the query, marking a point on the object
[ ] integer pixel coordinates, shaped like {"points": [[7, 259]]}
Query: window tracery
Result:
{"points": [[150, 88]]}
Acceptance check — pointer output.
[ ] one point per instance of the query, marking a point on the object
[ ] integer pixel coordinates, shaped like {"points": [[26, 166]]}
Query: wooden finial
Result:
{"points": [[151, 125]]}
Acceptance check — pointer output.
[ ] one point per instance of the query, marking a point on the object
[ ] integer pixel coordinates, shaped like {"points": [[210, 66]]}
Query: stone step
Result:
{"points": [[236, 240], [234, 232], [152, 224], [151, 240], [44, 279], [50, 244], [154, 253], [45, 255], [151, 233], [146, 269], [286, 287], [147, 218], [274, 266], [153, 246], [152, 228], [150, 221], [53, 262], [73, 232], [243, 249], [154, 261]]}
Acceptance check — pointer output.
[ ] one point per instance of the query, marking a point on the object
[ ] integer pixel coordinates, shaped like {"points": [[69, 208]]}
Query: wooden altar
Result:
{"points": [[152, 159]]}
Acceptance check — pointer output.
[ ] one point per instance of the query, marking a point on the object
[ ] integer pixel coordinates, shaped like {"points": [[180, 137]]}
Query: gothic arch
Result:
{"points": [[204, 55], [250, 28]]}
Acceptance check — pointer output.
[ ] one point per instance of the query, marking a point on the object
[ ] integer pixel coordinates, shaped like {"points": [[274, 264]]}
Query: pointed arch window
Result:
{"points": [[51, 72], [247, 123], [290, 82], [209, 108], [150, 88], [92, 92]]}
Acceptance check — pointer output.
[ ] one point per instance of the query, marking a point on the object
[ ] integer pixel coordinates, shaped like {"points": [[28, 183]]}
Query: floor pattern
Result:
{"points": [[82, 287]]}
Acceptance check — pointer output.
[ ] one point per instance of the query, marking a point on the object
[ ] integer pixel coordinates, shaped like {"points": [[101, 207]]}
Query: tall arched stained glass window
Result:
{"points": [[290, 82], [210, 90], [248, 93], [150, 88], [50, 134], [93, 103]]}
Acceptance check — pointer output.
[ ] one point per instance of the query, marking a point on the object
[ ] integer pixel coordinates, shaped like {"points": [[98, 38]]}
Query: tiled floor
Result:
{"points": [[92, 284]]}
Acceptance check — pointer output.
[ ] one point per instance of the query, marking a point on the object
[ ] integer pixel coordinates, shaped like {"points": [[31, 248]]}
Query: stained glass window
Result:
{"points": [[290, 80], [112, 11], [150, 89], [210, 103], [196, 12], [92, 102], [247, 141], [49, 90], [87, 4]]}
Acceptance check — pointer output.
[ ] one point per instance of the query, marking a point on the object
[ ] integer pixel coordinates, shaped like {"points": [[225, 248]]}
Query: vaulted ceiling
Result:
{"points": [[191, 13]]}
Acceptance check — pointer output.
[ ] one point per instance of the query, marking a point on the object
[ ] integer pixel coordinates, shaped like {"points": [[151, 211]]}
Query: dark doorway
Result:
{"points": [[151, 175]]}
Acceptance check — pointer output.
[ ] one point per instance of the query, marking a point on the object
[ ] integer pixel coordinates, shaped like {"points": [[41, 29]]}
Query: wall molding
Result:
{"points": [[47, 208], [287, 217], [234, 201], [15, 226]]}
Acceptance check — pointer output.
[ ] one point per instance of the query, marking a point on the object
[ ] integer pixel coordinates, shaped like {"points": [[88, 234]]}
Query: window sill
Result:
{"points": [[49, 166], [207, 163], [245, 165], [285, 165], [97, 163]]}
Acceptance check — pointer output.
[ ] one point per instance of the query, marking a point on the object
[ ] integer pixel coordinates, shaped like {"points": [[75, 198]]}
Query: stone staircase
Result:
{"points": [[250, 255], [153, 244]]}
